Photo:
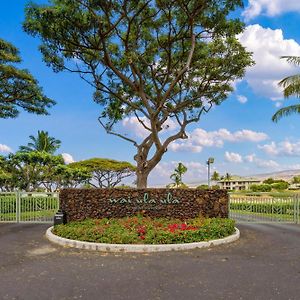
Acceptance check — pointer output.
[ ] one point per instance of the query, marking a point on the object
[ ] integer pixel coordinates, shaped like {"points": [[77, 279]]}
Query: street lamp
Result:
{"points": [[209, 162]]}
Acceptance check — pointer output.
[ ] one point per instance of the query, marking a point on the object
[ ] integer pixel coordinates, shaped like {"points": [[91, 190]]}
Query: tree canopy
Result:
{"points": [[33, 171], [18, 88], [105, 172], [151, 60]]}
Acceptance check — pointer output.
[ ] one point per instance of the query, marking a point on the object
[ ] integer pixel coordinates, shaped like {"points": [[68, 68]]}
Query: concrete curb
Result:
{"points": [[138, 248]]}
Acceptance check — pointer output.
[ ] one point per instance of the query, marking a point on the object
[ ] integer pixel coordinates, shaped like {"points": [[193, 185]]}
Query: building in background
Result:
{"points": [[237, 183]]}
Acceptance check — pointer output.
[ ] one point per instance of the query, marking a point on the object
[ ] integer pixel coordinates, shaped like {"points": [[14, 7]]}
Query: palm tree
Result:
{"points": [[177, 175], [42, 143], [226, 177], [291, 87], [215, 176]]}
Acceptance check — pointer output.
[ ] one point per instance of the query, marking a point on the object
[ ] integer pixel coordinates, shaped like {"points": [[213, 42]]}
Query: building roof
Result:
{"points": [[240, 179]]}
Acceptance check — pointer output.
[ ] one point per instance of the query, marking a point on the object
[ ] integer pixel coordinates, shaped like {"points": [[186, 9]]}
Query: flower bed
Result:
{"points": [[144, 230]]}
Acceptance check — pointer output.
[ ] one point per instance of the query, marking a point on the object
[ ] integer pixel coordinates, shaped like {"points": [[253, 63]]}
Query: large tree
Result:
{"points": [[18, 88], [41, 143], [153, 60], [291, 87], [31, 171], [105, 173]]}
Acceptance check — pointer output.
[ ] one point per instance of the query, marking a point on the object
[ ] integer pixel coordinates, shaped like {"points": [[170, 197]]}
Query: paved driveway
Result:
{"points": [[264, 264]]}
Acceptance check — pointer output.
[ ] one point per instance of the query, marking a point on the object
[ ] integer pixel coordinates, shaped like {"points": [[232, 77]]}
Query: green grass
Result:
{"points": [[29, 216], [144, 230], [32, 208], [262, 216]]}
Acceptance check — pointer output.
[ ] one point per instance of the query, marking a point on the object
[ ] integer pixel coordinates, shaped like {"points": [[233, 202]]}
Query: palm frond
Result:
{"points": [[286, 111], [292, 59]]}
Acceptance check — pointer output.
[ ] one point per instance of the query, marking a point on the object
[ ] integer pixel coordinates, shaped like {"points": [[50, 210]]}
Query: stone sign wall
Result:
{"points": [[79, 204]]}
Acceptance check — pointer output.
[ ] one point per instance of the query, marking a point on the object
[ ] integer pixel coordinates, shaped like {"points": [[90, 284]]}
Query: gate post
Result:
{"points": [[298, 211], [18, 207]]}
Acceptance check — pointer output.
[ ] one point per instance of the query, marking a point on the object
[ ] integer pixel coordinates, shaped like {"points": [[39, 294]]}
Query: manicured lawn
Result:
{"points": [[144, 230]]}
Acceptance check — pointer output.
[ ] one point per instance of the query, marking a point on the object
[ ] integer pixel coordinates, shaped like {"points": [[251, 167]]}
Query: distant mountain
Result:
{"points": [[285, 175]]}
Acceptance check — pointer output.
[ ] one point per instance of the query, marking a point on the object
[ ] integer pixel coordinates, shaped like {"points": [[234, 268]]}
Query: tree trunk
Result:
{"points": [[144, 166], [142, 180]]}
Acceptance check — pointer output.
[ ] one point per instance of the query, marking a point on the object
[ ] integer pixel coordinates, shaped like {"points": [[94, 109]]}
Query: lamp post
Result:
{"points": [[209, 162]]}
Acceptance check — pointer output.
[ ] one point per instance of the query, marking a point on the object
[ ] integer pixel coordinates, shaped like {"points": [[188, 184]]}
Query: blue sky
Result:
{"points": [[239, 133]]}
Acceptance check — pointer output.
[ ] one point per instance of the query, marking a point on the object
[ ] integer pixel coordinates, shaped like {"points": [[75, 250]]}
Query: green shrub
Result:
{"points": [[8, 203], [267, 208], [261, 187], [202, 187], [144, 230]]}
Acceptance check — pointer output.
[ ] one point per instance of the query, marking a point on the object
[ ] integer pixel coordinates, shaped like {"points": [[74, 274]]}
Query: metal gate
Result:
{"points": [[32, 207], [264, 210]]}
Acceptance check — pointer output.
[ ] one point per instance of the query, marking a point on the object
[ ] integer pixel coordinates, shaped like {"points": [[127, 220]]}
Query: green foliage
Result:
{"points": [[291, 87], [144, 230], [177, 176], [142, 57], [280, 186], [261, 187], [215, 187], [105, 172], [215, 176], [42, 143], [269, 181], [202, 187], [226, 177], [276, 184], [18, 88], [266, 208], [296, 179], [28, 204], [31, 171]]}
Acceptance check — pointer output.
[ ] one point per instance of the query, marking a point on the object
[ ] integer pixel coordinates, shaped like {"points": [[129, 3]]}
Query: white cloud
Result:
{"points": [[133, 126], [162, 172], [242, 99], [270, 8], [268, 46], [233, 157], [261, 163], [285, 148], [68, 158], [5, 148], [200, 138], [278, 104]]}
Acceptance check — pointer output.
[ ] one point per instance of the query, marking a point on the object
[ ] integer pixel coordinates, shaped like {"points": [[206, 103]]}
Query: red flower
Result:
{"points": [[141, 230], [142, 237], [182, 227]]}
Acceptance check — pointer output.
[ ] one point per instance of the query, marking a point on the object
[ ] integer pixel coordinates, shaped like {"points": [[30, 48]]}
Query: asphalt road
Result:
{"points": [[264, 264]]}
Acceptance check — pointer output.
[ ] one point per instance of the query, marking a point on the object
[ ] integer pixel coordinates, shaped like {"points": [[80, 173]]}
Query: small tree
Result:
{"points": [[18, 88], [177, 175], [215, 176], [226, 177], [261, 187], [269, 181], [202, 187], [31, 169], [151, 60], [296, 179], [5, 181], [106, 173], [42, 143]]}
